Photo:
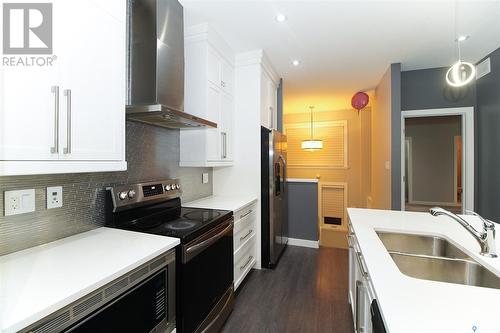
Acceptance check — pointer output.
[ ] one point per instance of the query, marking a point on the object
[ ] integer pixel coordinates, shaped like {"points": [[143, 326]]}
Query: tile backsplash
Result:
{"points": [[152, 154]]}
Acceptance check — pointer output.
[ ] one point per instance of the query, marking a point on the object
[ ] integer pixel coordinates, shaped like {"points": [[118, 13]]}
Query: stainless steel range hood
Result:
{"points": [[155, 91]]}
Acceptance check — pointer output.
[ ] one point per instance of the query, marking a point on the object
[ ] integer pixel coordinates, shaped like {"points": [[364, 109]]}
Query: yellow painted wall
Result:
{"points": [[381, 144], [358, 172]]}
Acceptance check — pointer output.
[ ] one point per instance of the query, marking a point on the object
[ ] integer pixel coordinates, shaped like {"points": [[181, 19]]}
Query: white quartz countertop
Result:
{"points": [[414, 305], [41, 280], [232, 203]]}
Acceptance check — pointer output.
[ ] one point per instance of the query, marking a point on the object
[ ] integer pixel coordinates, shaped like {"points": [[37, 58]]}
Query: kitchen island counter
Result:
{"points": [[416, 305]]}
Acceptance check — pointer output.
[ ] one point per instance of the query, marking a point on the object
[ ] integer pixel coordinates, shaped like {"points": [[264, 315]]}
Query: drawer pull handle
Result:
{"points": [[247, 263], [364, 271], [246, 214], [248, 234]]}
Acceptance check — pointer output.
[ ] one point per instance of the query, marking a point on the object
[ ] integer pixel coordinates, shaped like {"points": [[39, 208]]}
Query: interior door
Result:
{"points": [[93, 68]]}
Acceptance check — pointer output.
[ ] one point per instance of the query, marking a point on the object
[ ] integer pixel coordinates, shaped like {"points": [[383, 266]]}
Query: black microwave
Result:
{"points": [[141, 301]]}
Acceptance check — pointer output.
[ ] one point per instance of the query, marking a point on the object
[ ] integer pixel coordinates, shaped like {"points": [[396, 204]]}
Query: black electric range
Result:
{"points": [[168, 218], [204, 260]]}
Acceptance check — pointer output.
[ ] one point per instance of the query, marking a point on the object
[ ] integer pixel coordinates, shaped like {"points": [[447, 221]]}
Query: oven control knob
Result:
{"points": [[131, 194], [122, 195], [167, 187], [178, 186]]}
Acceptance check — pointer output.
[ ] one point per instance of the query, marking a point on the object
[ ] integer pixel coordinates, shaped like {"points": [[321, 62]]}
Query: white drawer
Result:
{"points": [[244, 260], [243, 230], [245, 212]]}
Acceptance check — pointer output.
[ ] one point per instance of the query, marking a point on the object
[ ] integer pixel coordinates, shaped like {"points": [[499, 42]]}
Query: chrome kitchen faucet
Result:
{"points": [[486, 238]]}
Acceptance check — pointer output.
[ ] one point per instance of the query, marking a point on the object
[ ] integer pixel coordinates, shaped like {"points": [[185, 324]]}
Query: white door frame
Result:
{"points": [[409, 146], [467, 115], [455, 167]]}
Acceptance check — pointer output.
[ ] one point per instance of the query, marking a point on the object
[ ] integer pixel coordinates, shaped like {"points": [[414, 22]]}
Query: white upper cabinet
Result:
{"points": [[227, 119], [227, 78], [269, 90], [69, 117], [219, 71], [29, 113], [93, 71], [214, 109], [209, 91]]}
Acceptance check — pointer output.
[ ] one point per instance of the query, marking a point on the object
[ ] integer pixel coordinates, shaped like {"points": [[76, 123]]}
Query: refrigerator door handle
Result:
{"points": [[282, 173]]}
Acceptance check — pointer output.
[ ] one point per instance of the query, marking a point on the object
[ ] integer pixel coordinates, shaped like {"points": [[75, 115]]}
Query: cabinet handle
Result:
{"points": [[67, 93], [225, 145], [246, 214], [247, 263], [55, 148], [358, 307], [364, 271], [222, 143], [248, 234], [349, 242]]}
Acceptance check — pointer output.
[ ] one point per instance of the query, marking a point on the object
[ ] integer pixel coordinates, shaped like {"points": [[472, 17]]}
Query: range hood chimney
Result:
{"points": [[155, 77]]}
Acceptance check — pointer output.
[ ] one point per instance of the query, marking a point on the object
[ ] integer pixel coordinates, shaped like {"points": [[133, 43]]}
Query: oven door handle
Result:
{"points": [[194, 250]]}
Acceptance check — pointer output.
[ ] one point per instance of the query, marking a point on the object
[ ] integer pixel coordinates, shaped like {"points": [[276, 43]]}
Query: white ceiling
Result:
{"points": [[346, 46]]}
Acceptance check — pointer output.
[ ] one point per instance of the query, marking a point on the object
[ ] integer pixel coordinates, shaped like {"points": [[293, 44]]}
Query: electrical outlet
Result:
{"points": [[205, 178], [54, 197], [19, 202]]}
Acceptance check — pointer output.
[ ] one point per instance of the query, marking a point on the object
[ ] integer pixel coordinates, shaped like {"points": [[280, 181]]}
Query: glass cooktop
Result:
{"points": [[185, 223]]}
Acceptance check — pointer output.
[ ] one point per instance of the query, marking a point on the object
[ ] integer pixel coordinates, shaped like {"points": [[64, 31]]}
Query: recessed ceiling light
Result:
{"points": [[280, 18], [462, 38], [295, 62]]}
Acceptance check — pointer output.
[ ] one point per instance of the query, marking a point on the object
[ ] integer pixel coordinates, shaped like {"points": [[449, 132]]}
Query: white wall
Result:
{"points": [[381, 118]]}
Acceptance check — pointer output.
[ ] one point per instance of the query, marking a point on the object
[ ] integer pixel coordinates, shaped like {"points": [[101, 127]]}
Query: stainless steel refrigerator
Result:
{"points": [[274, 196]]}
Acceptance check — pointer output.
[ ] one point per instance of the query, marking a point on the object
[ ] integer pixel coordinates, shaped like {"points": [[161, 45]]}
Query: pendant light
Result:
{"points": [[312, 144], [462, 72]]}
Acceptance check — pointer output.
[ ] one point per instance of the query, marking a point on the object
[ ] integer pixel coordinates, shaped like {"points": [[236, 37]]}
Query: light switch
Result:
{"points": [[19, 202], [54, 197], [205, 178]]}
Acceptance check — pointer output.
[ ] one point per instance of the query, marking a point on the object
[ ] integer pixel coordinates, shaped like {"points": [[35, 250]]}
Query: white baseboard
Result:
{"points": [[303, 243]]}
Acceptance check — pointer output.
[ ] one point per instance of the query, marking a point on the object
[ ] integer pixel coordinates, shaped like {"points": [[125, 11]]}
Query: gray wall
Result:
{"points": [[427, 89], [433, 158], [152, 154], [488, 141], [303, 210], [422, 89], [395, 136]]}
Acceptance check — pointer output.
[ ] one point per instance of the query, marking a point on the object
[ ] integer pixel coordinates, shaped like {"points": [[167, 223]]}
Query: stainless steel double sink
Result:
{"points": [[434, 258]]}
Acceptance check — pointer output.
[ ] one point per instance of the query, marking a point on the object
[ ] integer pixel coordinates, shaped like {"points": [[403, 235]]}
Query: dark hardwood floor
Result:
{"points": [[307, 292]]}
